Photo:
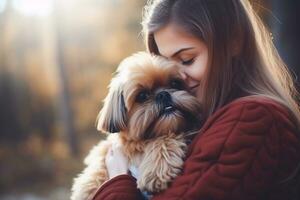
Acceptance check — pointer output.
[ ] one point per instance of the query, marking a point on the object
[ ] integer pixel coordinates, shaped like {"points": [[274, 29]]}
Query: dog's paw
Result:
{"points": [[153, 183], [162, 163]]}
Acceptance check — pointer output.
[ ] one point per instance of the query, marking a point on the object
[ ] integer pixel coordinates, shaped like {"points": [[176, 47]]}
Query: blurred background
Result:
{"points": [[56, 60]]}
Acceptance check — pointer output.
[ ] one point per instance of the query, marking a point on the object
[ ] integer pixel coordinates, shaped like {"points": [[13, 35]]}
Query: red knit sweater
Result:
{"points": [[242, 152]]}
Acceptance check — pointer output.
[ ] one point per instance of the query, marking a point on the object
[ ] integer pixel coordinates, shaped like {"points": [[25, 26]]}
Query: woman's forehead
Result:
{"points": [[172, 38]]}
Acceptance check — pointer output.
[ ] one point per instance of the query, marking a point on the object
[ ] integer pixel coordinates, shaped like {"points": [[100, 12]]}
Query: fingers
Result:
{"points": [[116, 145], [116, 148], [113, 148], [109, 156], [110, 151], [115, 160]]}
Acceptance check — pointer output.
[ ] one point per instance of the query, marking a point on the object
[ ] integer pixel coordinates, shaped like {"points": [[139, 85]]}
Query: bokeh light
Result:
{"points": [[2, 5], [34, 7]]}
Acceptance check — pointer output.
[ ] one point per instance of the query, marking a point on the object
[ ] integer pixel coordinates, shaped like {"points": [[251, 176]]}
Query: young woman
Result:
{"points": [[249, 146]]}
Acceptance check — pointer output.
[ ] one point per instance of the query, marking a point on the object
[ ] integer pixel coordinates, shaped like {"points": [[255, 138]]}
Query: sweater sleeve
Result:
{"points": [[120, 187], [240, 153]]}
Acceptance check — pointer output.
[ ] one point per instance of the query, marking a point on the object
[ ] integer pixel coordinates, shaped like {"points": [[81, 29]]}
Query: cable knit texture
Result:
{"points": [[243, 151]]}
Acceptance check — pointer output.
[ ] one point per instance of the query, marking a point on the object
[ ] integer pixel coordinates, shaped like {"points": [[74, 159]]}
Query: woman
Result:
{"points": [[249, 146]]}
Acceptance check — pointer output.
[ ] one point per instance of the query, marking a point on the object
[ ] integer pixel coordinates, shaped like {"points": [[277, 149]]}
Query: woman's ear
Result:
{"points": [[113, 116]]}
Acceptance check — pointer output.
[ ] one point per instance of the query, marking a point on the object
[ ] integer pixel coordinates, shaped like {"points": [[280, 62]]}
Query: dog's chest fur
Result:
{"points": [[133, 149]]}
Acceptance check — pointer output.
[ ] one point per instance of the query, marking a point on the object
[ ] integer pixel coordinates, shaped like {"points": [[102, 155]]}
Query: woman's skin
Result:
{"points": [[191, 54], [115, 161]]}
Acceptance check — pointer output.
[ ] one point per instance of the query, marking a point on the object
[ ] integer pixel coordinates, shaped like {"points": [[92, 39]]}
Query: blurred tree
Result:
{"points": [[65, 98], [54, 72]]}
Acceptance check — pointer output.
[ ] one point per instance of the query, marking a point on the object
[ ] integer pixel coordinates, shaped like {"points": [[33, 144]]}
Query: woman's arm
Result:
{"points": [[243, 150], [120, 185]]}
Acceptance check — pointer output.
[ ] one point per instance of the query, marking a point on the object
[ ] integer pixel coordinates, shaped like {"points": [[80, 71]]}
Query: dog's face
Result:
{"points": [[147, 98]]}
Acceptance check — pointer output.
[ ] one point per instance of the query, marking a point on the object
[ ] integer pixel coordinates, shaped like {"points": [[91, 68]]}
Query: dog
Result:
{"points": [[151, 109]]}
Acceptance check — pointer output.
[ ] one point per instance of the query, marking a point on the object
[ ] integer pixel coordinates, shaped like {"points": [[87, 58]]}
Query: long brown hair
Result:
{"points": [[242, 58]]}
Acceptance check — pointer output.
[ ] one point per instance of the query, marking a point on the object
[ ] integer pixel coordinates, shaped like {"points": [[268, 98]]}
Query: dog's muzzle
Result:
{"points": [[164, 101]]}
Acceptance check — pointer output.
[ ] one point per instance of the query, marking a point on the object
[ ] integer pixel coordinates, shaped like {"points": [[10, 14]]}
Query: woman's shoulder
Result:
{"points": [[245, 122], [256, 114], [258, 100], [253, 108]]}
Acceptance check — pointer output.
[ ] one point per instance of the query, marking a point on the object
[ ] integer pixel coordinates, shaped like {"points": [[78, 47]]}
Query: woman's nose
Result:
{"points": [[182, 74]]}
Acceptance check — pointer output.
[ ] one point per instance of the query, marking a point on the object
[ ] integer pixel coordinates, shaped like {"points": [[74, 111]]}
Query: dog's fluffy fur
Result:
{"points": [[150, 108]]}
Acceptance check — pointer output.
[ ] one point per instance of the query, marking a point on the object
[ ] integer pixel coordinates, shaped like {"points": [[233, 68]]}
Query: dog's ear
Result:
{"points": [[113, 116]]}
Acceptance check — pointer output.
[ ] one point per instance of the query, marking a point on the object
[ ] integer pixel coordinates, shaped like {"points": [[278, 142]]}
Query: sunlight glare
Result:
{"points": [[34, 7], [2, 5]]}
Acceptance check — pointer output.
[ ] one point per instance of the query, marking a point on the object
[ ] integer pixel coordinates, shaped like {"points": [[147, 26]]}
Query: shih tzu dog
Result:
{"points": [[150, 108]]}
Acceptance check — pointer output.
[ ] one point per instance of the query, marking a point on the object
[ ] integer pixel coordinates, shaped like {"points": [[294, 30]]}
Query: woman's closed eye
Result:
{"points": [[187, 61]]}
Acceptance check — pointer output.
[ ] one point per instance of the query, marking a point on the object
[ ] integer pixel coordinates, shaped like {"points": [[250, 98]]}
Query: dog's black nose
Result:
{"points": [[163, 98]]}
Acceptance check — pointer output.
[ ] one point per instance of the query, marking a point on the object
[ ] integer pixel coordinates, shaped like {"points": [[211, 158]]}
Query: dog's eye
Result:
{"points": [[177, 84], [142, 96]]}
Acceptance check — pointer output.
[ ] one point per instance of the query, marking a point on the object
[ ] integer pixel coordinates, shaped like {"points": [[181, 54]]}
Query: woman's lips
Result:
{"points": [[193, 88]]}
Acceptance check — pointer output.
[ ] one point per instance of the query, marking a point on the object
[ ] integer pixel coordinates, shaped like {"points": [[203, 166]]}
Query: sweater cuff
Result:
{"points": [[116, 184]]}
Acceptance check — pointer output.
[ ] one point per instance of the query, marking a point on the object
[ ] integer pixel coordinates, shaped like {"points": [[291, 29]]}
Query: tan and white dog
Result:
{"points": [[153, 113]]}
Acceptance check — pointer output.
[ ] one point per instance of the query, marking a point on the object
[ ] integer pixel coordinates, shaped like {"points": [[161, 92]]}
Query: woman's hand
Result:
{"points": [[116, 162]]}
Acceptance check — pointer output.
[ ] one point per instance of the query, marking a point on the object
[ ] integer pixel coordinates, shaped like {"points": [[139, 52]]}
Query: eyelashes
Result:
{"points": [[188, 62]]}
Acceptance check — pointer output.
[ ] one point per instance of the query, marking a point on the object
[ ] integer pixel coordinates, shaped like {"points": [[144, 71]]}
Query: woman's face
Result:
{"points": [[190, 52]]}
